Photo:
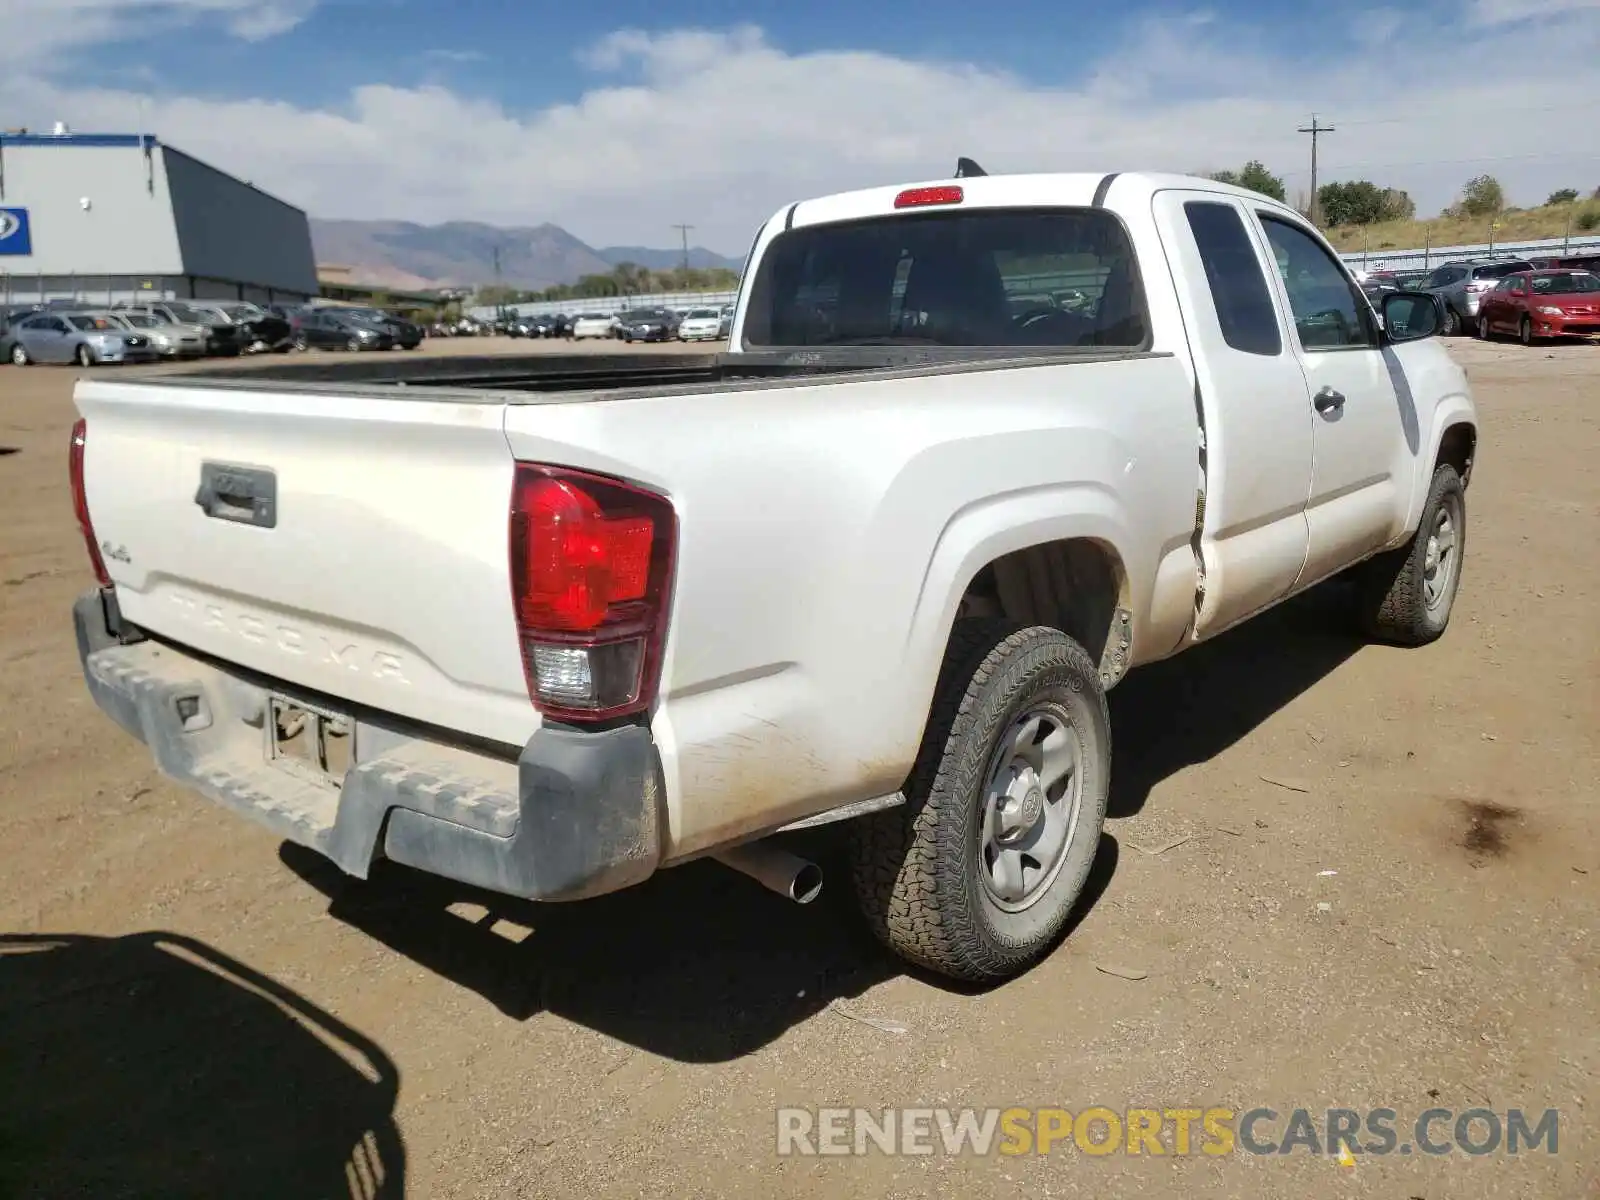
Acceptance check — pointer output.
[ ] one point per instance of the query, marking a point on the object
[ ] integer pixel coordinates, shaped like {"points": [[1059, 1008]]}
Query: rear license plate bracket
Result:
{"points": [[309, 740]]}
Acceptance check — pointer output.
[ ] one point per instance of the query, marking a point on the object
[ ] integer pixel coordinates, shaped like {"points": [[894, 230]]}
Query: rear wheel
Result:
{"points": [[1452, 321], [1407, 594], [976, 875], [1525, 330], [353, 345], [1483, 327]]}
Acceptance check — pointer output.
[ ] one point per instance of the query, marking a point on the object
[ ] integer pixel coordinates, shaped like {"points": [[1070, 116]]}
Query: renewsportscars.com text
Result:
{"points": [[1345, 1133]]}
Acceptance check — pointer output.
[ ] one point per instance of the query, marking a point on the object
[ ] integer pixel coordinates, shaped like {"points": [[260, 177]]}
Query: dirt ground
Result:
{"points": [[189, 1007]]}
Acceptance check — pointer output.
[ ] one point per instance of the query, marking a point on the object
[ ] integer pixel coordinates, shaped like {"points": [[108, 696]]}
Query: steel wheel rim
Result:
{"points": [[1028, 813], [1441, 561]]}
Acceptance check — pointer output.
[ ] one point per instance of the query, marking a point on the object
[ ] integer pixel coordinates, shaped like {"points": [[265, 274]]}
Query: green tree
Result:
{"points": [[1254, 176], [1359, 202], [1563, 196], [1482, 197]]}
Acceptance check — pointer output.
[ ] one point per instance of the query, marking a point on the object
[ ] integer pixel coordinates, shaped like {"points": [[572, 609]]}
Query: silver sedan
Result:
{"points": [[83, 338]]}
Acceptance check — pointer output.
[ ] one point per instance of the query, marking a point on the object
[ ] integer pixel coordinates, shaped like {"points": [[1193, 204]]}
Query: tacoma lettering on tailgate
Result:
{"points": [[328, 649]]}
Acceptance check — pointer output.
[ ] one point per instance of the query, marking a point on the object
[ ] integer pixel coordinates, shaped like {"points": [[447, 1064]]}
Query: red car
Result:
{"points": [[1540, 304]]}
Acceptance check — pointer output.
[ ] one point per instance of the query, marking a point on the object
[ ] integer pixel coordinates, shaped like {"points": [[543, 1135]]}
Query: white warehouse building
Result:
{"points": [[102, 217]]}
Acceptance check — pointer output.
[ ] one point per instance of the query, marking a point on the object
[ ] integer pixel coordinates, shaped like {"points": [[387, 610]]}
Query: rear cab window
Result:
{"points": [[1500, 270], [1060, 277]]}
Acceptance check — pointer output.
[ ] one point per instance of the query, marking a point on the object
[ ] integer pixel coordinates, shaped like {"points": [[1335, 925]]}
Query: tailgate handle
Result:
{"points": [[246, 495]]}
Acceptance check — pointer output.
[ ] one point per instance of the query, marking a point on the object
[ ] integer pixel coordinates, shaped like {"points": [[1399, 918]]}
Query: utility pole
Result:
{"points": [[1316, 131], [684, 230]]}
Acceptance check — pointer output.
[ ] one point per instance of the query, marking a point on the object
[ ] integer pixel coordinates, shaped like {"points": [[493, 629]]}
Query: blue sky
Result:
{"points": [[618, 118], [526, 55]]}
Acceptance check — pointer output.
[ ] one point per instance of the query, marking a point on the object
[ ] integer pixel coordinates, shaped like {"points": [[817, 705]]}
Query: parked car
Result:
{"points": [[1541, 304], [63, 336], [331, 329], [1461, 285], [562, 326], [406, 334], [222, 335], [648, 325], [593, 325], [168, 340], [537, 326], [701, 325], [884, 598], [1376, 287], [260, 332]]}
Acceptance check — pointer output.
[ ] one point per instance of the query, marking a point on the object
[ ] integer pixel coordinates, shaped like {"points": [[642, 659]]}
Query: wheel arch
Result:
{"points": [[1060, 556]]}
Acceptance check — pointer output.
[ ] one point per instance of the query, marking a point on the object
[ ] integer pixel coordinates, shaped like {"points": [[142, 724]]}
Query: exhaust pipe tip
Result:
{"points": [[806, 885], [775, 869]]}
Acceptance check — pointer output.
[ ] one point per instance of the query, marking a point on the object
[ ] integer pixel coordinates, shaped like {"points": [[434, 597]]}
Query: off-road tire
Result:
{"points": [[915, 866], [1390, 587]]}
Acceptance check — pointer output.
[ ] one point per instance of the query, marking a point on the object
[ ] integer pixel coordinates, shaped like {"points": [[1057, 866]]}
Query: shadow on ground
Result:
{"points": [[697, 964], [1188, 709], [701, 965], [152, 1065]]}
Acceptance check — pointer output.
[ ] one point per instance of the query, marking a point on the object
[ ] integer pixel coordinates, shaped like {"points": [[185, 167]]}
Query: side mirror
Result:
{"points": [[1411, 316]]}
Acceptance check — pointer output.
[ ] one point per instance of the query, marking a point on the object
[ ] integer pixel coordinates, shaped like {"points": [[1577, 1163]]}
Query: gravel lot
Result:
{"points": [[189, 1007]]}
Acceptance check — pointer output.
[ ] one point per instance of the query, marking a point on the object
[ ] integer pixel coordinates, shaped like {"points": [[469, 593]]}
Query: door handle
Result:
{"points": [[1328, 400]]}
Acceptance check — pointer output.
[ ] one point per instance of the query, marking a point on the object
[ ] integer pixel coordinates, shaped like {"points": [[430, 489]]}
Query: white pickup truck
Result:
{"points": [[978, 447]]}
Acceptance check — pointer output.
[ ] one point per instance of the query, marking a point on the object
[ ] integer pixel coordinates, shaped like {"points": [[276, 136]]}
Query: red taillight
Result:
{"points": [[918, 197], [591, 560], [80, 501]]}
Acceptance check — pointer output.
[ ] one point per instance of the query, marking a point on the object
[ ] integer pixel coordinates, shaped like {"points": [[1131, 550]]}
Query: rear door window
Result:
{"points": [[1245, 310], [983, 277]]}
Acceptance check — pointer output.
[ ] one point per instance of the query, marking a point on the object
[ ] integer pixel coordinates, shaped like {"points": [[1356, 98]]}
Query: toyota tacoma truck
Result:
{"points": [[978, 447]]}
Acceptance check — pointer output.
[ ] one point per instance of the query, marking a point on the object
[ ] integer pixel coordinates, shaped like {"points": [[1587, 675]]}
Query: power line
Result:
{"points": [[1315, 131], [684, 230], [1552, 156]]}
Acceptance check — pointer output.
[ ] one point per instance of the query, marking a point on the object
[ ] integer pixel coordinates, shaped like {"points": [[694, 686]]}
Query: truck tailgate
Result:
{"points": [[375, 572]]}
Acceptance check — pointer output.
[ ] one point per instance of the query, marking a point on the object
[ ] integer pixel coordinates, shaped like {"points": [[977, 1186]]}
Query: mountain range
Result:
{"points": [[400, 254]]}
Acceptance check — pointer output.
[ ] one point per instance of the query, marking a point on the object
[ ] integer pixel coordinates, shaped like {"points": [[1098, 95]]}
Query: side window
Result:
{"points": [[1244, 306], [1329, 314]]}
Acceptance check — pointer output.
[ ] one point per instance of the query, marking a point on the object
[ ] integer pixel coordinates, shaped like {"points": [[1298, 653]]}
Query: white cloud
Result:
{"points": [[721, 128]]}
